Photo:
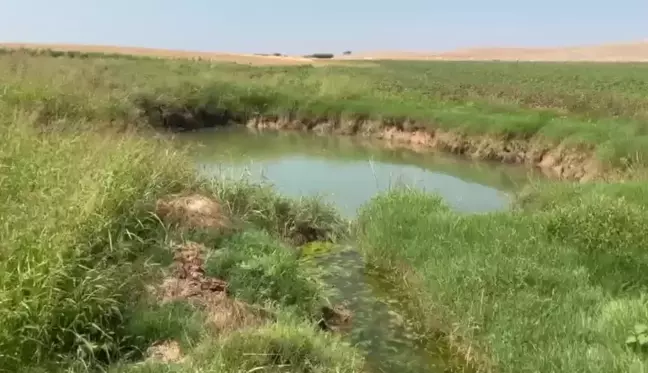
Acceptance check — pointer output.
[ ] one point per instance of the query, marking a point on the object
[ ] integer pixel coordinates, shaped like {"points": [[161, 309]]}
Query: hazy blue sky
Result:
{"points": [[296, 26]]}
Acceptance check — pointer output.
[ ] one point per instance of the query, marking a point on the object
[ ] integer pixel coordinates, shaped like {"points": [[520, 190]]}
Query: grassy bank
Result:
{"points": [[556, 286], [596, 109], [82, 242]]}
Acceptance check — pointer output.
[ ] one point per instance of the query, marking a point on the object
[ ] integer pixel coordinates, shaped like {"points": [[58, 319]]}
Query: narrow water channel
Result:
{"points": [[348, 172]]}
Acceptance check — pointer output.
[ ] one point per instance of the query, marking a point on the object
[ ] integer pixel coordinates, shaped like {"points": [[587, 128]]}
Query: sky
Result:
{"points": [[303, 26]]}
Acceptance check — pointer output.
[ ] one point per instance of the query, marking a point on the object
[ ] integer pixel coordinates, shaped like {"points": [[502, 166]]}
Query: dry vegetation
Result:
{"points": [[620, 52], [626, 52], [249, 59]]}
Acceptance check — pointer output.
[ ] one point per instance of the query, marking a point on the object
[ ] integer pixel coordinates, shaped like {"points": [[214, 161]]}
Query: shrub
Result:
{"points": [[321, 55]]}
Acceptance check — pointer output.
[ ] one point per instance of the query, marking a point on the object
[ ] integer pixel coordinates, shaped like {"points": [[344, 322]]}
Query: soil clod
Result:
{"points": [[188, 281], [188, 277], [193, 211]]}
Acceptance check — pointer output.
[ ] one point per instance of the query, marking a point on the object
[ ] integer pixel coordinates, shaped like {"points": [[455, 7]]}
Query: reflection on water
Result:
{"points": [[348, 172]]}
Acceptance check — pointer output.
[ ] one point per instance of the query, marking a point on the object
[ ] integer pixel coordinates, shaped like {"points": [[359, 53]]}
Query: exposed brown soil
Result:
{"points": [[192, 211], [556, 161], [188, 281]]}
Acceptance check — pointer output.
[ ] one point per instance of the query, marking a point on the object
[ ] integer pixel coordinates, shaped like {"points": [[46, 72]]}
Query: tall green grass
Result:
{"points": [[592, 89], [553, 290], [556, 289], [75, 215]]}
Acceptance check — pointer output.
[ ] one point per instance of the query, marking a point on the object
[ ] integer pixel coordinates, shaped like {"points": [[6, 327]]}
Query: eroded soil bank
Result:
{"points": [[558, 162]]}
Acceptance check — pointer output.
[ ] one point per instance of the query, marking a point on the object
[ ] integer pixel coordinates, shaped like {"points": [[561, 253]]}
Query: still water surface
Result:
{"points": [[348, 172]]}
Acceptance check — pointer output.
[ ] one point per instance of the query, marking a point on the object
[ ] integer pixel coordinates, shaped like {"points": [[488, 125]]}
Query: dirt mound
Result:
{"points": [[192, 211], [188, 278], [189, 282]]}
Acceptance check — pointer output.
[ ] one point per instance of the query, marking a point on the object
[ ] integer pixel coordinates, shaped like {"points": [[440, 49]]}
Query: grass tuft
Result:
{"points": [[287, 346], [261, 270], [298, 220]]}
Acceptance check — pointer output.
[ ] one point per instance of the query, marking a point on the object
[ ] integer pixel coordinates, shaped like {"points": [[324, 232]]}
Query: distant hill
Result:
{"points": [[253, 59], [621, 52]]}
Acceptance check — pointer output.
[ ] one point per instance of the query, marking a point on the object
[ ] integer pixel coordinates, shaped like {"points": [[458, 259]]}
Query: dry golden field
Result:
{"points": [[621, 52]]}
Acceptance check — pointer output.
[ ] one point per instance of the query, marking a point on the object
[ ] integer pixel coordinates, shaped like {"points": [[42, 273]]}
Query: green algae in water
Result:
{"points": [[378, 327], [317, 248]]}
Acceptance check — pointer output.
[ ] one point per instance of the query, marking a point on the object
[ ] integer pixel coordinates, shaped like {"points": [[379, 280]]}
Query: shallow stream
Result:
{"points": [[348, 172]]}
